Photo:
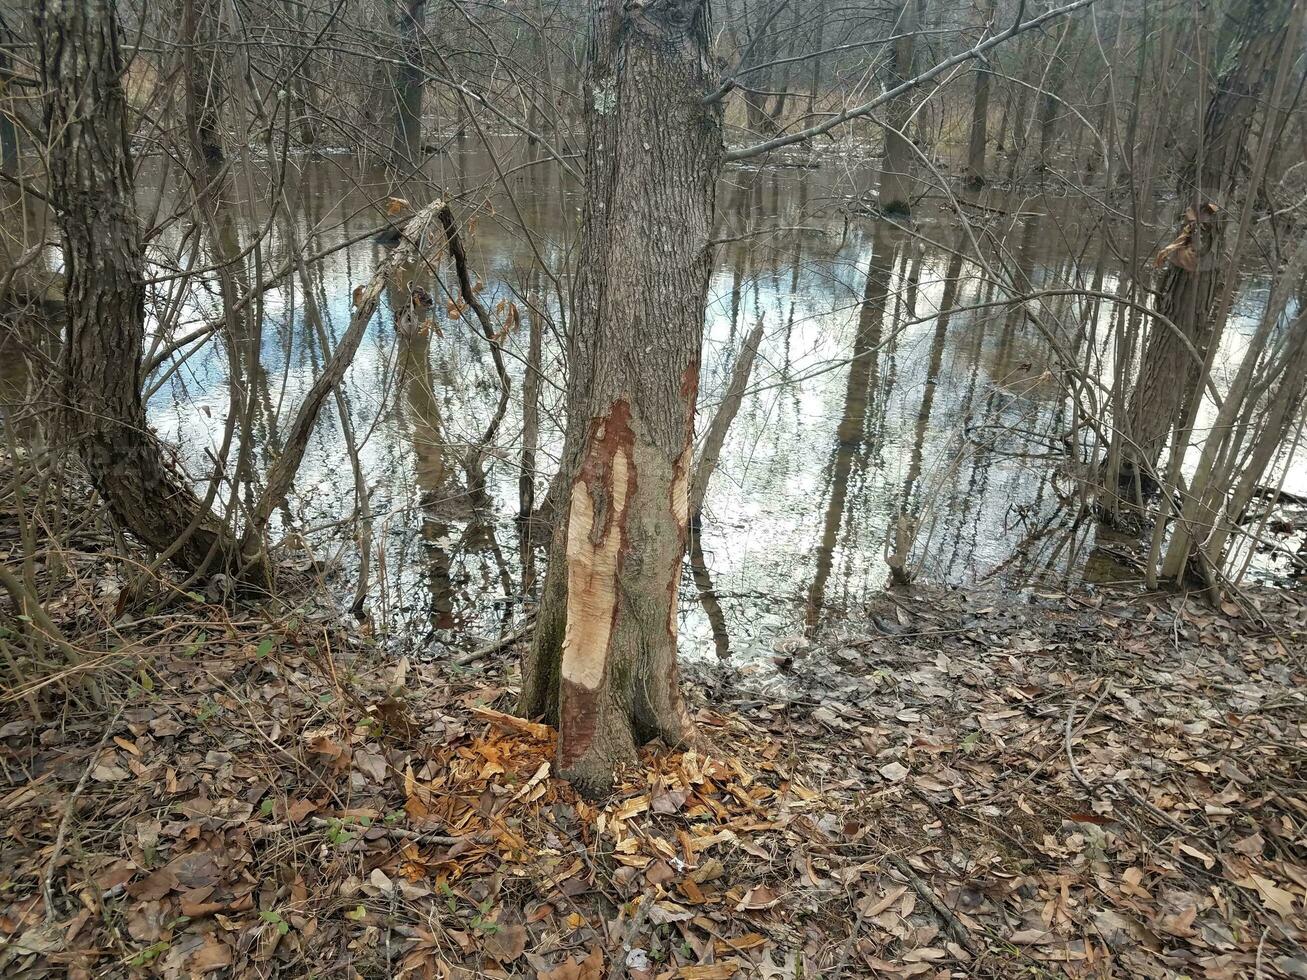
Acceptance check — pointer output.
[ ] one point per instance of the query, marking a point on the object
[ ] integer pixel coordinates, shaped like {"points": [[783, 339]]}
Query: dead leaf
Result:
{"points": [[712, 971], [1275, 898], [1030, 937], [210, 957], [759, 897], [506, 943], [371, 764], [895, 772], [590, 968], [299, 810]]}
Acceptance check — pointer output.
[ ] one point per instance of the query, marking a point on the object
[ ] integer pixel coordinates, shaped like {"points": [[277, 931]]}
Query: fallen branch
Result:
{"points": [[470, 297], [508, 639], [366, 298], [952, 924], [721, 422]]}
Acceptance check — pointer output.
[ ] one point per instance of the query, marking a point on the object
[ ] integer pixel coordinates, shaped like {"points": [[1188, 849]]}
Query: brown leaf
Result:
{"points": [[738, 944], [1275, 898], [759, 897], [154, 887], [506, 943], [659, 873], [210, 957], [371, 764], [590, 968], [196, 869], [299, 810], [1030, 937], [713, 971]]}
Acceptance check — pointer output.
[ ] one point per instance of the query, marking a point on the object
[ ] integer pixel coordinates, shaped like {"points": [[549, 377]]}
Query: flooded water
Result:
{"points": [[891, 390]]}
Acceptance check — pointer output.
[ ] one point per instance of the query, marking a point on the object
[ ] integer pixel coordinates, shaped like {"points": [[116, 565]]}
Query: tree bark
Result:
{"points": [[974, 173], [896, 183], [410, 18], [203, 86], [8, 128], [653, 154], [91, 190]]}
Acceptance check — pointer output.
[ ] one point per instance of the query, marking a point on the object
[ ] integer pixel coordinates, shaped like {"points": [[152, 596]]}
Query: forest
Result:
{"points": [[653, 489]]}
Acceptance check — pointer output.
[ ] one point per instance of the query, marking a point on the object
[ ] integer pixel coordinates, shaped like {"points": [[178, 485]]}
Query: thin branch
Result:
{"points": [[889, 95]]}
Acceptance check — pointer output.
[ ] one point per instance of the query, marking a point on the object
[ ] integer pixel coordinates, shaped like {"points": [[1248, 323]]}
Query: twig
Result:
{"points": [[616, 968], [395, 833], [1070, 723], [469, 295], [848, 945], [1257, 965], [508, 639], [47, 886], [952, 924]]}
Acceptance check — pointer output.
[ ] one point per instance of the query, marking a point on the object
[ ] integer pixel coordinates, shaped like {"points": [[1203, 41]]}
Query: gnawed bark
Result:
{"points": [[653, 154]]}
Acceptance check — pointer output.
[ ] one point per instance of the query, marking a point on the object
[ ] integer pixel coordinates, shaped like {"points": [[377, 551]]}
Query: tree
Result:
{"points": [[410, 18], [652, 156], [1169, 373], [91, 190], [974, 172], [602, 664], [896, 183]]}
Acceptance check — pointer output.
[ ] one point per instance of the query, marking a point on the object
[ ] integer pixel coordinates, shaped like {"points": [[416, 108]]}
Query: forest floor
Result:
{"points": [[1101, 785]]}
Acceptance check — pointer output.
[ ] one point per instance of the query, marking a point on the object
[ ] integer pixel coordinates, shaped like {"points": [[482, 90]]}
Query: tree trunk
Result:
{"points": [[530, 444], [203, 86], [974, 174], [1050, 101], [1168, 374], [410, 18], [896, 183], [814, 79], [91, 188], [653, 154], [8, 128]]}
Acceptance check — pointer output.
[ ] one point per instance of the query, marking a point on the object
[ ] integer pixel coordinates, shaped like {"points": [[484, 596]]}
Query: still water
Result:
{"points": [[891, 387]]}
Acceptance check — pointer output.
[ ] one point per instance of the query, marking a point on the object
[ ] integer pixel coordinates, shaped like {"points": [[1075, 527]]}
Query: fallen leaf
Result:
{"points": [[759, 897], [895, 772], [1275, 898], [1030, 937], [590, 968], [299, 810], [506, 943], [210, 957]]}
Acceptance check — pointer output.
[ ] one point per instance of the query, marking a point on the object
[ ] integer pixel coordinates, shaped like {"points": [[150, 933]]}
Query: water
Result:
{"points": [[890, 389]]}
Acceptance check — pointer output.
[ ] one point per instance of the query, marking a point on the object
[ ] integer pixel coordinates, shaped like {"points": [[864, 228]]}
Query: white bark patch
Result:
{"points": [[592, 578]]}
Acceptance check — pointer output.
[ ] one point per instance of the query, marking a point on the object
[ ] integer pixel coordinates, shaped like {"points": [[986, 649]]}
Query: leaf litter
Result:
{"points": [[971, 785]]}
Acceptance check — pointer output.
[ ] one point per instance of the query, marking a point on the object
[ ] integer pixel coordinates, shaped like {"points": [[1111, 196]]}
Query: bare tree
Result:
{"points": [[91, 189]]}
